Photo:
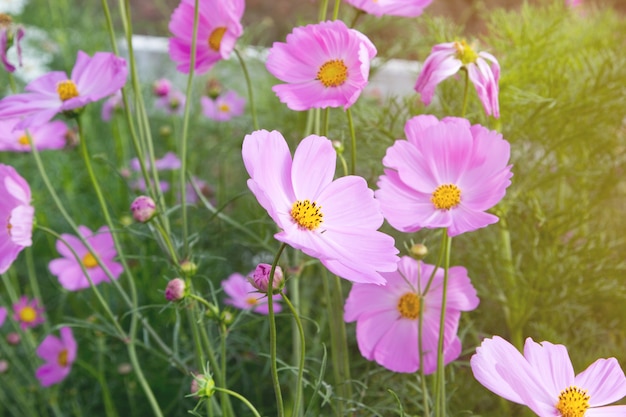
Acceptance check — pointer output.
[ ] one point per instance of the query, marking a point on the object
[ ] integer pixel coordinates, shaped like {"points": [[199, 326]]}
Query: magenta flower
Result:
{"points": [[224, 107], [68, 269], [28, 312], [242, 295], [324, 65], [387, 316], [140, 185], [161, 87], [260, 278], [16, 210], [169, 161], [543, 379], [3, 315], [49, 135], [334, 221], [445, 175], [92, 79], [219, 27], [172, 103], [403, 8], [10, 35], [446, 59], [59, 355]]}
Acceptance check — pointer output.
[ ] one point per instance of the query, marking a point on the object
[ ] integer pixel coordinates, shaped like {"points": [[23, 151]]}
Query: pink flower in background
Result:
{"points": [[219, 27], [324, 65], [205, 189], [68, 269], [573, 3], [446, 59], [49, 135], [403, 8], [93, 78], [173, 102], [140, 185], [10, 34], [543, 379], [334, 221], [161, 87], [18, 214], [59, 355], [111, 105], [169, 161], [387, 316], [3, 315], [28, 312], [446, 175], [242, 295], [224, 107]]}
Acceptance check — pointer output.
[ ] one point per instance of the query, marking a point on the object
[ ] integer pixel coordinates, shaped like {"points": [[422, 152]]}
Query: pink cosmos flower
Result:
{"points": [[28, 312], [10, 35], [324, 65], [403, 8], [16, 210], [68, 269], [445, 175], [140, 185], [334, 221], [387, 316], [242, 295], [224, 107], [3, 315], [172, 103], [205, 189], [49, 135], [93, 78], [219, 27], [59, 355], [446, 59], [543, 379], [169, 161]]}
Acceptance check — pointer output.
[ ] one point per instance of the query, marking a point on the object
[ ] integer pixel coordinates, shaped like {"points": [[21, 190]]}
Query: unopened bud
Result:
{"points": [[143, 208], [338, 145], [175, 290], [189, 268], [261, 278], [162, 87], [13, 338], [418, 251], [203, 386]]}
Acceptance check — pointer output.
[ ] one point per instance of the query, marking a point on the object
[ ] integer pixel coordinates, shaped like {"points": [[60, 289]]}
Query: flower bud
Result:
{"points": [[203, 386], [338, 145], [189, 268], [143, 208], [175, 290], [418, 251], [213, 88], [261, 278], [13, 338], [4, 366], [162, 87]]}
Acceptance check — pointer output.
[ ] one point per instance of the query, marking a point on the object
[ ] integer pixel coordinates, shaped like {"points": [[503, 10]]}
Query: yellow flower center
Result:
{"points": [[9, 225], [252, 301], [215, 38], [23, 140], [224, 108], [333, 73], [67, 90], [409, 306], [27, 314], [62, 358], [573, 402], [5, 20], [446, 196], [465, 53], [89, 261], [308, 215]]}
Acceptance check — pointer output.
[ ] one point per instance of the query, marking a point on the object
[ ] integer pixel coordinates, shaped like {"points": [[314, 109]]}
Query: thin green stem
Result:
{"points": [[12, 83], [274, 365], [352, 142], [336, 9], [246, 75], [32, 280], [465, 93], [301, 357], [440, 388], [323, 10], [420, 328], [240, 398]]}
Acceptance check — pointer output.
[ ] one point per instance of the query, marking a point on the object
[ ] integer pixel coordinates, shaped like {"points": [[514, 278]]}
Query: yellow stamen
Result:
{"points": [[573, 402], [333, 73], [215, 38], [446, 196], [465, 53], [252, 301], [224, 108], [23, 140], [27, 314], [409, 306], [67, 89], [89, 261], [62, 358], [5, 20], [308, 215], [9, 225]]}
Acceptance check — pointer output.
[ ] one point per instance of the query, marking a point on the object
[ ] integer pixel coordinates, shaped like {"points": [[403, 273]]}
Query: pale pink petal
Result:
{"points": [[553, 362], [313, 167], [604, 381]]}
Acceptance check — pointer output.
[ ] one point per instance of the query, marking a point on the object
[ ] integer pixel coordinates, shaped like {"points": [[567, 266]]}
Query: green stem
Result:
{"points": [[323, 10], [240, 398], [440, 388], [511, 313], [465, 93], [425, 399], [301, 357], [336, 9], [246, 75], [12, 83], [274, 365], [352, 142]]}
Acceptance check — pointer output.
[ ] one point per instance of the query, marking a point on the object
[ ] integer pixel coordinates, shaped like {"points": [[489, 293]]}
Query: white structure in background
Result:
{"points": [[12, 7]]}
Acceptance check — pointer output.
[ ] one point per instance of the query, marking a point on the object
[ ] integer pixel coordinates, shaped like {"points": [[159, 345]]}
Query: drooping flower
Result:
{"points": [[324, 65], [242, 295], [29, 313], [543, 379], [219, 27], [59, 355], [387, 317], [49, 135], [444, 176], [68, 269], [169, 161], [224, 107], [403, 8], [334, 221], [93, 78], [446, 59], [16, 211], [10, 34]]}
